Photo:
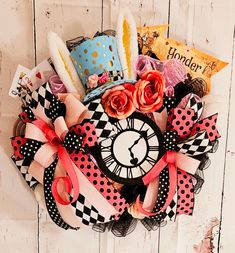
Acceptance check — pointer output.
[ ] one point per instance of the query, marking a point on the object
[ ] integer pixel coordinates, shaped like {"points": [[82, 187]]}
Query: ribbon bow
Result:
{"points": [[187, 136], [63, 130], [44, 143]]}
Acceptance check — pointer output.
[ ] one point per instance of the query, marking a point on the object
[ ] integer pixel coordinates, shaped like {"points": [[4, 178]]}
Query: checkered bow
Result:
{"points": [[186, 136], [196, 136]]}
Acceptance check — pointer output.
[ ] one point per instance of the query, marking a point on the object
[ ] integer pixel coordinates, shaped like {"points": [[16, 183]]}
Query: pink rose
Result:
{"points": [[117, 101], [93, 80], [104, 78], [169, 91], [148, 96]]}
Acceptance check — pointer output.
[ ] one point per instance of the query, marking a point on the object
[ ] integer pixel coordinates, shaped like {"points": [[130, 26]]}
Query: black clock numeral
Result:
{"points": [[142, 126], [109, 160], [129, 173], [118, 126], [150, 160], [153, 148], [117, 169], [151, 135], [105, 149], [130, 123], [142, 171]]}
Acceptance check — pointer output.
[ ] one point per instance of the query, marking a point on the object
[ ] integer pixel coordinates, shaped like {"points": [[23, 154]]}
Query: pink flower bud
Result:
{"points": [[93, 80], [104, 78]]}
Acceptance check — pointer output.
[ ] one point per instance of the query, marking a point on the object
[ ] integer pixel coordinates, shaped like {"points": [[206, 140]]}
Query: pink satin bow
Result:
{"points": [[41, 131], [70, 181], [174, 161], [186, 126]]}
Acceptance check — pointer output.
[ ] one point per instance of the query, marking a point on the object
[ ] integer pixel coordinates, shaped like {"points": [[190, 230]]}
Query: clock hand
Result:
{"points": [[135, 142], [143, 134], [134, 159], [131, 153]]}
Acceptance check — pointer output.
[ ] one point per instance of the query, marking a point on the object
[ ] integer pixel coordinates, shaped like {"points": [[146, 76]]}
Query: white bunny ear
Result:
{"points": [[127, 43], [63, 64]]}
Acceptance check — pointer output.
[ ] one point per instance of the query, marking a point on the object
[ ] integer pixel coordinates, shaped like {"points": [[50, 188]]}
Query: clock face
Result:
{"points": [[129, 154]]}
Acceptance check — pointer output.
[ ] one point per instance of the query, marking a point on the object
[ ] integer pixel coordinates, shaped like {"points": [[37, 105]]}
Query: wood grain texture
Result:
{"points": [[203, 16], [227, 232], [18, 208], [207, 25]]}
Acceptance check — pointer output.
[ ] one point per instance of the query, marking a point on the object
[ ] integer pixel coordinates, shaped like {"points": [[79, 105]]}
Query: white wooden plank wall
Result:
{"points": [[208, 25]]}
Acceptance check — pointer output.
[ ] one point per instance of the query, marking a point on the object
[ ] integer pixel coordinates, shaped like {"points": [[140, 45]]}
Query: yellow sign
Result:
{"points": [[198, 64]]}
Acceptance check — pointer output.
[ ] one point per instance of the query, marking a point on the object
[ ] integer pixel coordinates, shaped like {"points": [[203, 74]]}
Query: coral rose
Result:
{"points": [[148, 96], [118, 102]]}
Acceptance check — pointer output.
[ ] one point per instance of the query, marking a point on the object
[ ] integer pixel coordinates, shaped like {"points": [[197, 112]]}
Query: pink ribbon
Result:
{"points": [[75, 110], [169, 159], [40, 130], [71, 181], [49, 133]]}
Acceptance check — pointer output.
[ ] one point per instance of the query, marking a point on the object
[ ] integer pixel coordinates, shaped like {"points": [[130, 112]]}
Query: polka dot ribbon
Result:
{"points": [[50, 201], [183, 123], [170, 140], [196, 135], [26, 115]]}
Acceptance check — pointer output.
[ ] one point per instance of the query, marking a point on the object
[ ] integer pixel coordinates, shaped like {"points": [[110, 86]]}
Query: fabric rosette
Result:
{"points": [[148, 95], [118, 101], [145, 96], [187, 136], [145, 63], [173, 70], [53, 152]]}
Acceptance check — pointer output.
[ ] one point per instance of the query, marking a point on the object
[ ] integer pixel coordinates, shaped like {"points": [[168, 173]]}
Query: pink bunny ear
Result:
{"points": [[127, 43]]}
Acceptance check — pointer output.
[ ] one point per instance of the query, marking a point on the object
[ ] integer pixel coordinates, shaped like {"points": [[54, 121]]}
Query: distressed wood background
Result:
{"points": [[206, 24]]}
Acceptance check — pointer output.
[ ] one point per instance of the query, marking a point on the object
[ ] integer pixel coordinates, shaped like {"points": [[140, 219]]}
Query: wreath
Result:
{"points": [[114, 128]]}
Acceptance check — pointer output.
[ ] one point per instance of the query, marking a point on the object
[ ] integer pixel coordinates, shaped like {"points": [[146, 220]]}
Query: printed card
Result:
{"points": [[39, 75], [18, 88]]}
